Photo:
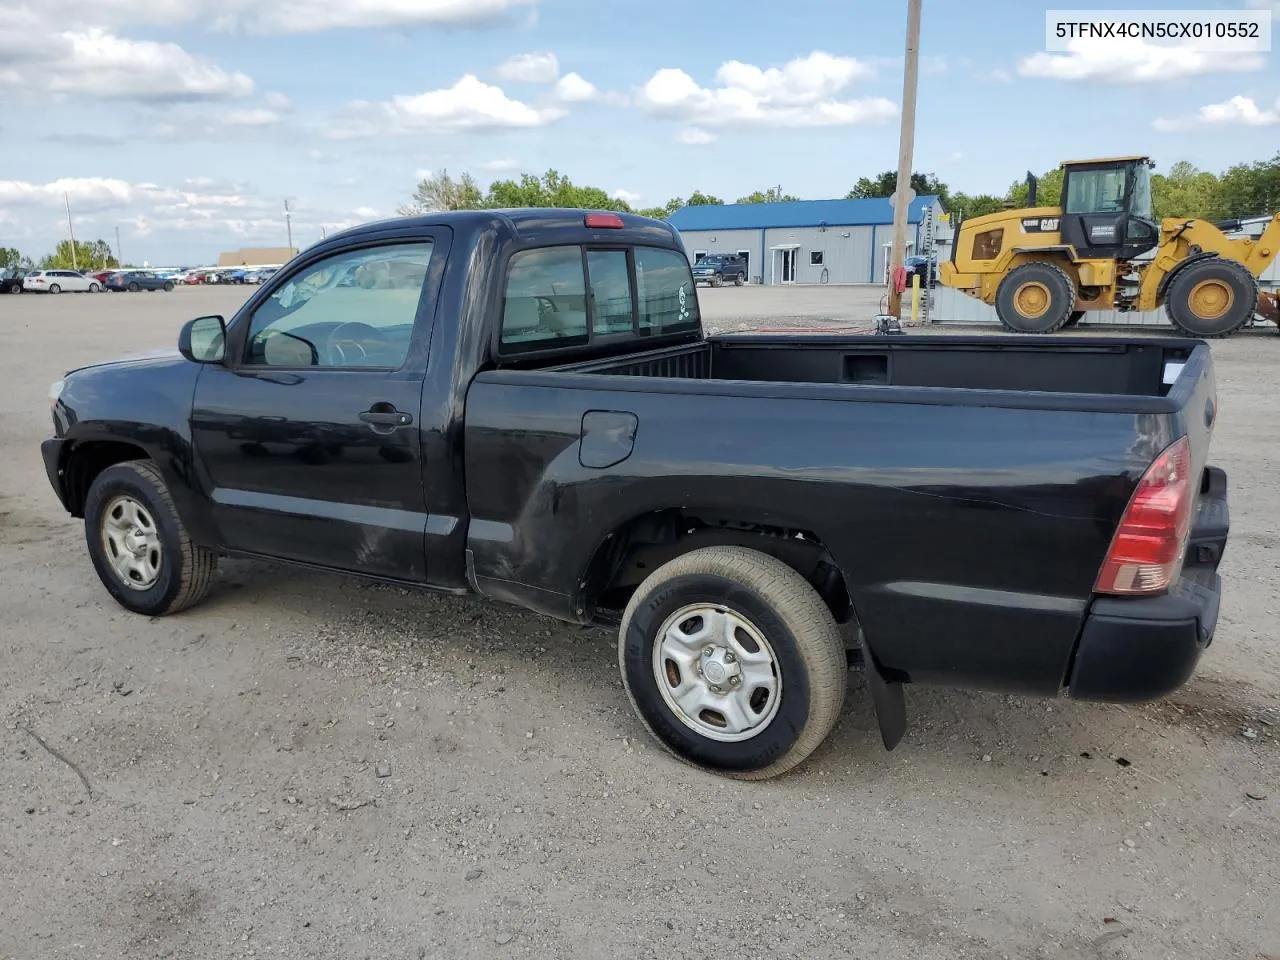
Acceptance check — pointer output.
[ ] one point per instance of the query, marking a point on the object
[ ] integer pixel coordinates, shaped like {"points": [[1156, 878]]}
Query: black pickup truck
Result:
{"points": [[524, 405]]}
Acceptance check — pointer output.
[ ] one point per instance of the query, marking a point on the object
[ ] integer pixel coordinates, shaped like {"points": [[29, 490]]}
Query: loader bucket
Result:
{"points": [[1269, 307]]}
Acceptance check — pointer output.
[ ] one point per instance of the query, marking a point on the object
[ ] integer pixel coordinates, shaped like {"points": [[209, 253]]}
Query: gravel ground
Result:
{"points": [[309, 766]]}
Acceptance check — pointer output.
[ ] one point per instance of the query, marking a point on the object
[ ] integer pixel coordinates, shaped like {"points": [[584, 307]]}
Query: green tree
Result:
{"points": [[886, 184], [97, 255], [552, 189], [1185, 191], [1249, 190], [772, 195], [441, 192], [1048, 190], [963, 206], [10, 258]]}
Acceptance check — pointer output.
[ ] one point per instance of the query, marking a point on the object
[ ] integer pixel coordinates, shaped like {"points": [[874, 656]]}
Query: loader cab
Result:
{"points": [[1107, 209]]}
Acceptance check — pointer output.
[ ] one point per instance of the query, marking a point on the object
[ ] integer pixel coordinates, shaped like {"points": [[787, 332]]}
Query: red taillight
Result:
{"points": [[1146, 552], [604, 221]]}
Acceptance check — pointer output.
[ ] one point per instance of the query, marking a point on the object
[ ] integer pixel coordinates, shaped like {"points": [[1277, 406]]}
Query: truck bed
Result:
{"points": [[1101, 366]]}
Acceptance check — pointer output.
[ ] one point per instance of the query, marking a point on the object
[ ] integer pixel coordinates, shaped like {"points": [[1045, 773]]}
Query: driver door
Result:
{"points": [[308, 437]]}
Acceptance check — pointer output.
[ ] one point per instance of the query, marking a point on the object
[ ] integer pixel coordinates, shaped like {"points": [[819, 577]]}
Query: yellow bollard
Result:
{"points": [[915, 299]]}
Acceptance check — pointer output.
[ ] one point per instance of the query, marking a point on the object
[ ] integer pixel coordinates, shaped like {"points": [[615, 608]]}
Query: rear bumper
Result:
{"points": [[1138, 649]]}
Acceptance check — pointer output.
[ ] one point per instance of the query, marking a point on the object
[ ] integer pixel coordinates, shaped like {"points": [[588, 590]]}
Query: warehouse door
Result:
{"points": [[783, 267]]}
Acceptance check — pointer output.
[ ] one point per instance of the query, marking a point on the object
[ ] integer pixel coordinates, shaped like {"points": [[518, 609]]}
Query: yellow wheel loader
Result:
{"points": [[1042, 268]]}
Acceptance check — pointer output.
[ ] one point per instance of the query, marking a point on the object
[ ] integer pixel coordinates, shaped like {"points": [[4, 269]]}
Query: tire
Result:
{"points": [[168, 286], [1074, 319], [170, 573], [800, 641], [739, 280], [717, 281], [1035, 298], [1211, 298], [16, 289], [134, 288], [94, 288], [55, 288]]}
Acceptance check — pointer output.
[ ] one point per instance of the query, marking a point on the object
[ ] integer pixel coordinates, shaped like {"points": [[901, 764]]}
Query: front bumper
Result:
{"points": [[1141, 648], [52, 451]]}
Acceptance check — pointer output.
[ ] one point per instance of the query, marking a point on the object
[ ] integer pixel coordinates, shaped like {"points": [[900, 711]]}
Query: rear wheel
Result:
{"points": [[733, 662], [1211, 298], [168, 285], [739, 280], [16, 288], [138, 545], [1035, 298]]}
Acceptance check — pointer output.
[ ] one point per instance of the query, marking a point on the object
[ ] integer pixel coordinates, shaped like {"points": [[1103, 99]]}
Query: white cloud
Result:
{"points": [[804, 93], [422, 173], [571, 88], [539, 67], [695, 137], [97, 63], [500, 166], [253, 117], [285, 16], [1127, 60], [278, 101], [627, 197], [365, 213], [314, 16], [997, 75], [470, 104], [1238, 111], [956, 157]]}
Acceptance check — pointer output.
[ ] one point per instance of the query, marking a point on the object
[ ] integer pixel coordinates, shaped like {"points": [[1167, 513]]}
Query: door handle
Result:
{"points": [[386, 418]]}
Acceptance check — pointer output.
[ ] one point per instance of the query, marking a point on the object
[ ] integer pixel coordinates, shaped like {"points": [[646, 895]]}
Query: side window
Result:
{"points": [[610, 292], [546, 300], [354, 309], [664, 285]]}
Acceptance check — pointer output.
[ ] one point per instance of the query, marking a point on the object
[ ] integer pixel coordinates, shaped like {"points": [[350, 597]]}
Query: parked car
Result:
{"points": [[1025, 514], [59, 281], [11, 280], [138, 280], [926, 268], [720, 268]]}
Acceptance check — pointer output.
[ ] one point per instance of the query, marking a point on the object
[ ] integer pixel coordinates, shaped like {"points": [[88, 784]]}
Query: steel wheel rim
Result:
{"points": [[717, 673], [131, 543], [1032, 300], [1211, 299]]}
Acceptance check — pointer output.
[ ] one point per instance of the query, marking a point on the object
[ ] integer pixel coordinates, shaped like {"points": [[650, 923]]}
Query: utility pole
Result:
{"points": [[119, 256], [288, 223], [71, 230], [906, 146]]}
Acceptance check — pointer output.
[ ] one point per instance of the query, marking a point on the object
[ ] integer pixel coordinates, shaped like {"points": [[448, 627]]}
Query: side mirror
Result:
{"points": [[203, 340]]}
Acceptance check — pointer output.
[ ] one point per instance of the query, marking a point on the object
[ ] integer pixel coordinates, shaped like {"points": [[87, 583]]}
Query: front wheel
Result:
{"points": [[94, 288], [1211, 298], [138, 545], [54, 288], [733, 662], [134, 288]]}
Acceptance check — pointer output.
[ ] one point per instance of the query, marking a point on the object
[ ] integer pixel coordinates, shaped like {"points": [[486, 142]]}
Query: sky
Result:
{"points": [[187, 124]]}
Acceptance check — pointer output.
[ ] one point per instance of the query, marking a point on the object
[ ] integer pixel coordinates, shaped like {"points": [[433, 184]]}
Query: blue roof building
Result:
{"points": [[803, 241]]}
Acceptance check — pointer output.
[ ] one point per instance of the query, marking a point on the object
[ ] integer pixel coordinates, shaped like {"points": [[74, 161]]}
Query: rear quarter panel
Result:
{"points": [[969, 535]]}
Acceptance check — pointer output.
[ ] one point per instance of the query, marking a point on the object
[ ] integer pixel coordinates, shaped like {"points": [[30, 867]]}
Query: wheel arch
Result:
{"points": [[85, 460], [636, 547], [1163, 287]]}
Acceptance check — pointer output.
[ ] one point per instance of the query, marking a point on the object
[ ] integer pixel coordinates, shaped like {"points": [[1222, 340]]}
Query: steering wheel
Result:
{"points": [[337, 346]]}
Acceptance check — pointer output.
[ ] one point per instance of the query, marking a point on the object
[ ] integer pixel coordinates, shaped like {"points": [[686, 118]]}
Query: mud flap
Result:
{"points": [[890, 703]]}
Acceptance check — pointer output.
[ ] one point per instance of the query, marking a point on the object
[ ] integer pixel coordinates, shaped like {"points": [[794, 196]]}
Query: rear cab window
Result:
{"points": [[566, 296]]}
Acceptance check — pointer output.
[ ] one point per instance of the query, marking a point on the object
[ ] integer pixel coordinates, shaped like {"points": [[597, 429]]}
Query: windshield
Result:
{"points": [[1141, 206], [712, 259]]}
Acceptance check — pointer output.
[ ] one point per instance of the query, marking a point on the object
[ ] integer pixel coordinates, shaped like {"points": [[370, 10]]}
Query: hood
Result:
{"points": [[153, 357]]}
